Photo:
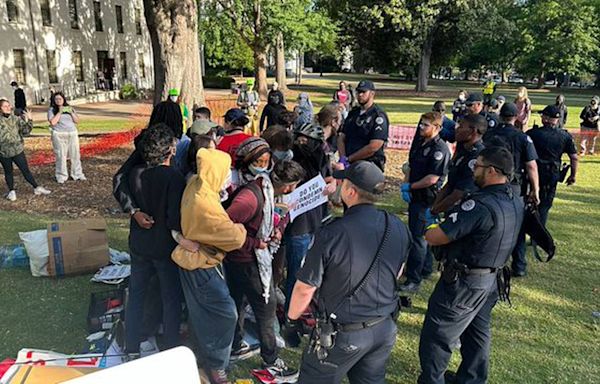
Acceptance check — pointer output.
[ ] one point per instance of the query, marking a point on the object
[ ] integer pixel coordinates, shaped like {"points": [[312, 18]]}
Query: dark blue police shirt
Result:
{"points": [[491, 118], [550, 143], [448, 131], [430, 158], [460, 175], [518, 143], [341, 255], [474, 232], [360, 128]]}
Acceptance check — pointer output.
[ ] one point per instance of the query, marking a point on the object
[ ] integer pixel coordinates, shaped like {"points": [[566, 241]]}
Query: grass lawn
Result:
{"points": [[88, 125], [548, 336]]}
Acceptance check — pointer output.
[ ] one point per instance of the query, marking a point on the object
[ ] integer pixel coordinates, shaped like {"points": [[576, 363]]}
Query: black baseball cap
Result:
{"points": [[474, 98], [237, 117], [364, 174], [365, 85], [551, 111], [509, 110]]}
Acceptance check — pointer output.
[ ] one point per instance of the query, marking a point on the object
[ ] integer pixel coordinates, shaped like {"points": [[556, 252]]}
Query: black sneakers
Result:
{"points": [[281, 371], [244, 351]]}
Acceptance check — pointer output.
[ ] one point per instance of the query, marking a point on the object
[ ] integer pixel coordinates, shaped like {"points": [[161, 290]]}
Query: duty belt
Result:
{"points": [[479, 271], [358, 326]]}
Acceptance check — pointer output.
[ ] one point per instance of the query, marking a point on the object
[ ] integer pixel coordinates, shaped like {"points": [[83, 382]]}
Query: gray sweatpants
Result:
{"points": [[66, 146]]}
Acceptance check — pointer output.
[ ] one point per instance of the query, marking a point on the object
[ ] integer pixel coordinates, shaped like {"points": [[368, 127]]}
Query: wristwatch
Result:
{"points": [[132, 211]]}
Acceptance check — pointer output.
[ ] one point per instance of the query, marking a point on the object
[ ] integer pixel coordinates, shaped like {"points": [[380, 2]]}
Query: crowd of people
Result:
{"points": [[210, 227]]}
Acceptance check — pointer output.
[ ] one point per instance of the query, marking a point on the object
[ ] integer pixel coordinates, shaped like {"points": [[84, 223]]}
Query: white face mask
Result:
{"points": [[173, 98]]}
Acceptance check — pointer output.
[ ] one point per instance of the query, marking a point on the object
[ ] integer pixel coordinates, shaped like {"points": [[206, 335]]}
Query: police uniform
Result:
{"points": [[360, 127], [550, 144], [483, 230], [460, 174], [431, 158], [336, 263], [523, 151], [491, 118]]}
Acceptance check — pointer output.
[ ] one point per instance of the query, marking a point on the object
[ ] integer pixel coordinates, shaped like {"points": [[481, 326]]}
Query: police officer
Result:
{"points": [[525, 178], [353, 263], [428, 168], [474, 243], [365, 130], [551, 142], [469, 132], [474, 105]]}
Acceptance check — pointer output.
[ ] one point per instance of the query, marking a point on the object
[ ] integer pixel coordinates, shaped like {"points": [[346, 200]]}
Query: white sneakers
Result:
{"points": [[12, 195], [41, 191]]}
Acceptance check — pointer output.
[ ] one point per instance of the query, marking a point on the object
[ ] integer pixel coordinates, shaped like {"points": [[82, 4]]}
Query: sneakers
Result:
{"points": [[41, 191], [80, 178], [217, 376], [281, 371], [410, 287], [12, 195], [245, 351]]}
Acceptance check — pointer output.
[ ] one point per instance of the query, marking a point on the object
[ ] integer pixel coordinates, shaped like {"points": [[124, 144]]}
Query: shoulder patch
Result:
{"points": [[472, 164], [468, 205], [379, 120], [438, 155], [492, 123]]}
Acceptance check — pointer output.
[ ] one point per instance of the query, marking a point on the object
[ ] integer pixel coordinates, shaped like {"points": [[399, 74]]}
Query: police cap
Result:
{"points": [[474, 98], [365, 175], [365, 85], [551, 111], [509, 110]]}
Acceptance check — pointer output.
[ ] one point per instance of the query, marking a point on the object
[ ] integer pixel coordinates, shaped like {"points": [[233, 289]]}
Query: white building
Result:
{"points": [[65, 43]]}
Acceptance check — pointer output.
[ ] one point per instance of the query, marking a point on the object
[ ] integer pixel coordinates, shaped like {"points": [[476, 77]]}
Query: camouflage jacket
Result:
{"points": [[12, 129]]}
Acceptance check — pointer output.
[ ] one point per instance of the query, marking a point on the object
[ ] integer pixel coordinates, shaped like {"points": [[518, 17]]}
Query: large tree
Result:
{"points": [[173, 28]]}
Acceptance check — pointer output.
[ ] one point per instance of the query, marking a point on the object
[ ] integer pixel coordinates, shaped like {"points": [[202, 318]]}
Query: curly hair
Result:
{"points": [[156, 144]]}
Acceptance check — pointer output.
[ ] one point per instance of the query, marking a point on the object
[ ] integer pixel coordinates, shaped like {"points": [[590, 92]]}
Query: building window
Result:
{"points": [[51, 63], [98, 16], [46, 15], [119, 12], [142, 68], [138, 21], [12, 11], [73, 14], [19, 59], [78, 62], [123, 60]]}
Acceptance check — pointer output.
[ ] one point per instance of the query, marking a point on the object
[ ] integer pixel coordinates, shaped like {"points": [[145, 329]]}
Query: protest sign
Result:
{"points": [[306, 197]]}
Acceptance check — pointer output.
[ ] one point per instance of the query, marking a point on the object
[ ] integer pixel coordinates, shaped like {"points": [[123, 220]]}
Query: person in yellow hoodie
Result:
{"points": [[212, 311]]}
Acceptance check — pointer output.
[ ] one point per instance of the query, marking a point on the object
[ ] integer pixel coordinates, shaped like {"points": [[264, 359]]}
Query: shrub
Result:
{"points": [[128, 92]]}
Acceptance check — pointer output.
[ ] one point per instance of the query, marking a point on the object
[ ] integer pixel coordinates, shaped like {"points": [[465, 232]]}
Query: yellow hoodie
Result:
{"points": [[203, 219]]}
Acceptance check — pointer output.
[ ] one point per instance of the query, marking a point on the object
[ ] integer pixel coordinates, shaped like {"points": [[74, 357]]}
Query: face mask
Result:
{"points": [[461, 97], [283, 155], [258, 170], [173, 98]]}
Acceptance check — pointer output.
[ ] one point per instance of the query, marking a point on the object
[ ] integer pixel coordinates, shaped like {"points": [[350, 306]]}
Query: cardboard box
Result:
{"points": [[28, 374], [77, 247]]}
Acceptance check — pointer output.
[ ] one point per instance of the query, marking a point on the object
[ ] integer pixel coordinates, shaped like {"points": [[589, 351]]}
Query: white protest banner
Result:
{"points": [[306, 197]]}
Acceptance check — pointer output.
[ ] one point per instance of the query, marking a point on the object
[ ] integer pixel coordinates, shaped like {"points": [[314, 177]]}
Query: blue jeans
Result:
{"points": [[212, 314], [142, 271], [420, 259], [296, 248]]}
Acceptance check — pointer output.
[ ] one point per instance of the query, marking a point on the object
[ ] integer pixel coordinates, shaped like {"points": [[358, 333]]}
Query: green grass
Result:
{"points": [[548, 336], [88, 125]]}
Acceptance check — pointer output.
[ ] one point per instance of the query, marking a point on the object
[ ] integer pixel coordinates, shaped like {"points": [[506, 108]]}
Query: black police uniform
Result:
{"points": [[362, 127], [483, 231], [431, 158], [491, 118], [338, 260], [523, 151], [460, 175], [550, 144]]}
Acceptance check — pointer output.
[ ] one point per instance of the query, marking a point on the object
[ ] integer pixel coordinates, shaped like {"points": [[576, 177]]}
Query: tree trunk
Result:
{"points": [[423, 76], [300, 66], [541, 75], [467, 74], [280, 63], [173, 28], [260, 69]]}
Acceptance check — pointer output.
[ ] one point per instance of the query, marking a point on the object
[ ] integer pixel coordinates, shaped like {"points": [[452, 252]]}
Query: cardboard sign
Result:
{"points": [[306, 197], [77, 247]]}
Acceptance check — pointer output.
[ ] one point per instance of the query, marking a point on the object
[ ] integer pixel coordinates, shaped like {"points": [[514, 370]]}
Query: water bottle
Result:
{"points": [[13, 256]]}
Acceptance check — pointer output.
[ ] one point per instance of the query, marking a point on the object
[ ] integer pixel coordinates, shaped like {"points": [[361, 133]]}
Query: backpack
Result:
{"points": [[256, 190]]}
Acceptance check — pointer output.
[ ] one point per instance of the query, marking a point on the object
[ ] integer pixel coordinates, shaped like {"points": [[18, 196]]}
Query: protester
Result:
{"points": [[500, 100], [196, 143], [272, 110], [235, 121], [249, 271], [158, 188], [329, 119], [280, 141], [176, 97], [344, 97], [276, 92], [212, 311], [304, 109], [65, 138], [199, 128], [590, 120], [459, 108], [20, 99], [248, 101], [287, 119], [365, 131], [523, 109], [202, 113], [448, 125], [12, 130], [564, 111]]}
